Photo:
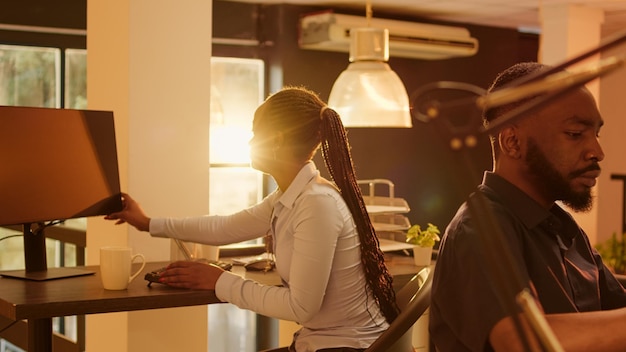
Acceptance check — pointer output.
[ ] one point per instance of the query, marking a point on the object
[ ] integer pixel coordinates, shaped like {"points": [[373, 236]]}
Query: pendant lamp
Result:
{"points": [[368, 93]]}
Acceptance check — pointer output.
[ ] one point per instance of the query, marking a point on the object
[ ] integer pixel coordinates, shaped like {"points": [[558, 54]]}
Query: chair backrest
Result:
{"points": [[621, 279], [413, 299]]}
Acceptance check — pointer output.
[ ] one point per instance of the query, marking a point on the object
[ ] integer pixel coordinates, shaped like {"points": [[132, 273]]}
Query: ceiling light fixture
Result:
{"points": [[368, 93]]}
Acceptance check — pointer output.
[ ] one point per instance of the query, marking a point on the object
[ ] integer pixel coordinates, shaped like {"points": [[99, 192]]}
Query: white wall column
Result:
{"points": [[566, 31], [149, 62]]}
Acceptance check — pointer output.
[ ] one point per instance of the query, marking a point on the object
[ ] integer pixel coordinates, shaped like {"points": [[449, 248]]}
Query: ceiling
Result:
{"points": [[522, 14]]}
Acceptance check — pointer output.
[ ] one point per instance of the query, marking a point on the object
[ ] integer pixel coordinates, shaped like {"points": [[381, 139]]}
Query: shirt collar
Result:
{"points": [[520, 204], [304, 176]]}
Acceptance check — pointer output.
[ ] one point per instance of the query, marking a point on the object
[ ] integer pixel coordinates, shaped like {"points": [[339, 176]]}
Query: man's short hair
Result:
{"points": [[504, 78]]}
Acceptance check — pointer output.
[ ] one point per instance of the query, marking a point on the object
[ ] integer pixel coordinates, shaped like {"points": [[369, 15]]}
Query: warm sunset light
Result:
{"points": [[229, 144]]}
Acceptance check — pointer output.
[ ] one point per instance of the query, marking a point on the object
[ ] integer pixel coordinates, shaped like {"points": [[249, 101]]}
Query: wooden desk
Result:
{"points": [[38, 302]]}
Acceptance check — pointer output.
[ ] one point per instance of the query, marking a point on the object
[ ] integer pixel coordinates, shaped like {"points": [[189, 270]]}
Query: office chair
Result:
{"points": [[413, 299], [621, 279]]}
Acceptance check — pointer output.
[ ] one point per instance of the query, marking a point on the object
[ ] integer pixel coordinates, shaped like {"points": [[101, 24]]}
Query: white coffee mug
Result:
{"points": [[211, 253], [115, 267]]}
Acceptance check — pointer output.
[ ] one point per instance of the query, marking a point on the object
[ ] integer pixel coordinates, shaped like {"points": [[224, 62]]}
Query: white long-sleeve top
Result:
{"points": [[316, 245]]}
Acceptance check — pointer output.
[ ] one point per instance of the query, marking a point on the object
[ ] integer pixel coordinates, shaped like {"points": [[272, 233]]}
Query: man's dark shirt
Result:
{"points": [[547, 246]]}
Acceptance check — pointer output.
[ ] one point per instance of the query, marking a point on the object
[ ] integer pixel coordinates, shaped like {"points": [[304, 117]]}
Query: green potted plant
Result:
{"points": [[424, 241], [613, 252]]}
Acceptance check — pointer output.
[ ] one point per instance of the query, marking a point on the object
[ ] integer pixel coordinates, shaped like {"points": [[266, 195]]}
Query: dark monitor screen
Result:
{"points": [[57, 164]]}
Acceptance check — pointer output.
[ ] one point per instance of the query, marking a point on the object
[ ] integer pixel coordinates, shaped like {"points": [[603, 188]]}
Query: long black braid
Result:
{"points": [[338, 160], [303, 116]]}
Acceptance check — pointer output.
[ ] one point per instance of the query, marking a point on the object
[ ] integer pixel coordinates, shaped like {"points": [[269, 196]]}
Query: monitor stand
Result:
{"points": [[36, 261]]}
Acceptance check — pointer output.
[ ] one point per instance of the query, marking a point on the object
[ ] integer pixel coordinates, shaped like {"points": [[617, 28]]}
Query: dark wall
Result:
{"points": [[70, 14]]}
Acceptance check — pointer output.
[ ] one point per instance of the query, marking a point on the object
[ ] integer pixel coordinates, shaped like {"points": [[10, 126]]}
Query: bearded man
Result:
{"points": [[548, 158]]}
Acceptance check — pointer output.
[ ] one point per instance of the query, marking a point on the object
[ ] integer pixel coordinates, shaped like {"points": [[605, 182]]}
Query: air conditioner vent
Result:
{"points": [[331, 32]]}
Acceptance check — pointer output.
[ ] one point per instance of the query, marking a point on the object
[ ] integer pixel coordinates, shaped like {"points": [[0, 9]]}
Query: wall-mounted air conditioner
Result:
{"points": [[329, 31]]}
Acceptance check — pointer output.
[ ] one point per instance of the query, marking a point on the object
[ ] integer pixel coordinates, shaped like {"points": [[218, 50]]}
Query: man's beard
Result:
{"points": [[554, 184]]}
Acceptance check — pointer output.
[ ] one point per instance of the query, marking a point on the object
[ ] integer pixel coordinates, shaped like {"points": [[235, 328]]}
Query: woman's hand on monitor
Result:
{"points": [[131, 214]]}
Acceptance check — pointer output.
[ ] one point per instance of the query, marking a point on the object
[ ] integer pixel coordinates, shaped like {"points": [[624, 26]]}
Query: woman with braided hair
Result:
{"points": [[335, 283]]}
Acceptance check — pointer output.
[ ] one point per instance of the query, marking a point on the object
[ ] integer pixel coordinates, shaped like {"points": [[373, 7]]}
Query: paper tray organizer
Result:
{"points": [[385, 211]]}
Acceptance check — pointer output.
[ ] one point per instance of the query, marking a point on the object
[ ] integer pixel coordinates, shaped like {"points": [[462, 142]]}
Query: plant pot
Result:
{"points": [[422, 255]]}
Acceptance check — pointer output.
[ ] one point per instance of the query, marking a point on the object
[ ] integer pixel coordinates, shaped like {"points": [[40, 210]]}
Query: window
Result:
{"points": [[236, 92], [76, 79], [31, 76], [28, 76]]}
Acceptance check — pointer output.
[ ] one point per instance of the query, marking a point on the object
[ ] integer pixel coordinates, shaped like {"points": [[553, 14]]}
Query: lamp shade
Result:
{"points": [[368, 93]]}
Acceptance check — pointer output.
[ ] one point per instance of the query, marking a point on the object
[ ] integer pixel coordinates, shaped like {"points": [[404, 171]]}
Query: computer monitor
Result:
{"points": [[56, 164]]}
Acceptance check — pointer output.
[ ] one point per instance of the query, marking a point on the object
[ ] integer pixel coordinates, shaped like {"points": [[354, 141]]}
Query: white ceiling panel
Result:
{"points": [[500, 13]]}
